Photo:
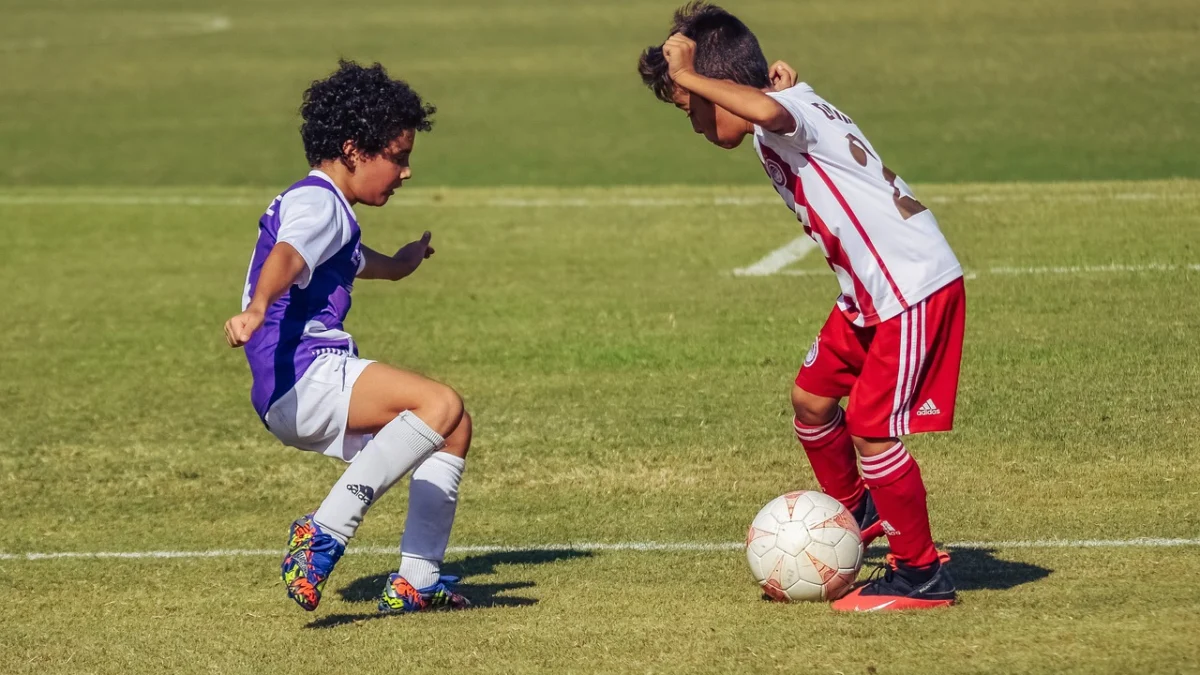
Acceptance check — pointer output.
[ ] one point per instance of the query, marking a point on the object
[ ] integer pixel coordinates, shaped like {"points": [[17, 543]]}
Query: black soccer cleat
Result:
{"points": [[902, 587]]}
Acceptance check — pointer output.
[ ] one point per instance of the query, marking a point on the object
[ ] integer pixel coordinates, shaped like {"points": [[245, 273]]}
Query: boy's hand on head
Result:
{"points": [[240, 328], [680, 53], [410, 256], [782, 76]]}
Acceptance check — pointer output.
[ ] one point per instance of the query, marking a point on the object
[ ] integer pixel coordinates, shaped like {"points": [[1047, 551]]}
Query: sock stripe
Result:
{"points": [[807, 433], [881, 466], [885, 471], [883, 457]]}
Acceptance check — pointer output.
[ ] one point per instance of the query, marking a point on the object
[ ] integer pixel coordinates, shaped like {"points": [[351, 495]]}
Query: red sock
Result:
{"points": [[899, 493], [831, 454]]}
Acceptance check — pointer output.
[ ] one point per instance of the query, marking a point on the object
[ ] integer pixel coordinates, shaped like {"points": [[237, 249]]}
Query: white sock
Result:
{"points": [[398, 447], [432, 499]]}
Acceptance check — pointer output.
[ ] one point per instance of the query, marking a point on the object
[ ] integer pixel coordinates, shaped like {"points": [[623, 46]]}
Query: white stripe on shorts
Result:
{"points": [[912, 362], [893, 419]]}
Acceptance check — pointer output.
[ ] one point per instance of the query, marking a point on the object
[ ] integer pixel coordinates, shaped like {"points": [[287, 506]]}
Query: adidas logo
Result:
{"points": [[364, 492], [928, 408], [887, 528]]}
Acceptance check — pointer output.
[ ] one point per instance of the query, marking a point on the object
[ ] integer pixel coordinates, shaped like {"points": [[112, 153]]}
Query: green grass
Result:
{"points": [[625, 387], [627, 612], [132, 92]]}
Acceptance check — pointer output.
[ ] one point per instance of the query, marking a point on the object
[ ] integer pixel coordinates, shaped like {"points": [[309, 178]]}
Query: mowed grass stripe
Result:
{"points": [[634, 546]]}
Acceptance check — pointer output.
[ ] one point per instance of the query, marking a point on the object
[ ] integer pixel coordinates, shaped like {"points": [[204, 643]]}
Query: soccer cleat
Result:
{"points": [[400, 597], [869, 523], [310, 558], [902, 587]]}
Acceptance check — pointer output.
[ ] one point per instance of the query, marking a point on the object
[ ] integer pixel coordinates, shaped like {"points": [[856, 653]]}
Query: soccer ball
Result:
{"points": [[804, 546]]}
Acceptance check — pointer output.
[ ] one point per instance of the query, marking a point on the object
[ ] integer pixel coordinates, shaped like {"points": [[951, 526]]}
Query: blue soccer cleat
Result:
{"points": [[400, 597], [310, 558]]}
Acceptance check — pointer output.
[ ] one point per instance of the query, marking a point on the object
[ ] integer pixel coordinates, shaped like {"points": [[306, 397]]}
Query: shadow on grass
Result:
{"points": [[976, 569], [367, 589]]}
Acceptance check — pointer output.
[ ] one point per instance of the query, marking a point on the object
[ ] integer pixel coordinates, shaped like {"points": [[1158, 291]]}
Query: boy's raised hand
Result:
{"points": [[680, 53], [782, 76], [410, 256]]}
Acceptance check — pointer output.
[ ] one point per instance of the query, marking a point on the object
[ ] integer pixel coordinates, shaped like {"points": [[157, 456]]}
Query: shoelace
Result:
{"points": [[886, 569]]}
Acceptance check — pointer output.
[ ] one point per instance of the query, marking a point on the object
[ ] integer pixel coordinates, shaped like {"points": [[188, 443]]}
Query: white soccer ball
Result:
{"points": [[804, 546]]}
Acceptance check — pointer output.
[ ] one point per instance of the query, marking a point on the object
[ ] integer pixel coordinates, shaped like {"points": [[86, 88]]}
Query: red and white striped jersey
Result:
{"points": [[884, 245]]}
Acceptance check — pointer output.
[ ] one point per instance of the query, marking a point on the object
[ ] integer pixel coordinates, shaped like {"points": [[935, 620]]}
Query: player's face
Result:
{"points": [[376, 178], [719, 126]]}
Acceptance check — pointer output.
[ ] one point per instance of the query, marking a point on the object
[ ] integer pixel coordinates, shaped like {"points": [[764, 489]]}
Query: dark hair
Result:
{"points": [[725, 50], [359, 104]]}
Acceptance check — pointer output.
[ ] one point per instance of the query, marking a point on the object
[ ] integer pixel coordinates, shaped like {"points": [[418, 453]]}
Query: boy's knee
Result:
{"points": [[458, 443], [813, 410], [442, 409]]}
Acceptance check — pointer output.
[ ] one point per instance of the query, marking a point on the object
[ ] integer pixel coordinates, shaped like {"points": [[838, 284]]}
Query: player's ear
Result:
{"points": [[350, 155]]}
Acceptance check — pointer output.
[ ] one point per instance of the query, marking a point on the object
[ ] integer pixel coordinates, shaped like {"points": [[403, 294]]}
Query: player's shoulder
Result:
{"points": [[801, 91], [313, 195]]}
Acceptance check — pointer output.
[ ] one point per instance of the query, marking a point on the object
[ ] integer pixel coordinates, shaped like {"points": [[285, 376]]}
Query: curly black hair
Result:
{"points": [[725, 50], [360, 104]]}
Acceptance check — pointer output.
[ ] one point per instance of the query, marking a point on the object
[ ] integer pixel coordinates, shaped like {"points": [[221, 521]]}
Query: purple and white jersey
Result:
{"points": [[314, 218]]}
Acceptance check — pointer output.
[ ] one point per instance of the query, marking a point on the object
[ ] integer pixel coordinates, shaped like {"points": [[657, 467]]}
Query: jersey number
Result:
{"points": [[906, 205]]}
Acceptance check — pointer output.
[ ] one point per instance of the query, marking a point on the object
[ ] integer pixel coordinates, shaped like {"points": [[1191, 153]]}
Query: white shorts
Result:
{"points": [[312, 416]]}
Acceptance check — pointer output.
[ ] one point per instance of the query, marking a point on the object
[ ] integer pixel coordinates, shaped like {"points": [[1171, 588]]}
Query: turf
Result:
{"points": [[626, 387], [1063, 611], [136, 92]]}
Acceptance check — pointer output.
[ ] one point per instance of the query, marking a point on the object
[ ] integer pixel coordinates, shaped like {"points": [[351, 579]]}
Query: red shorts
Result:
{"points": [[901, 375]]}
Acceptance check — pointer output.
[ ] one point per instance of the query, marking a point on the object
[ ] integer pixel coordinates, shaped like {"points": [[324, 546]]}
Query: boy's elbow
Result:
{"points": [[777, 119]]}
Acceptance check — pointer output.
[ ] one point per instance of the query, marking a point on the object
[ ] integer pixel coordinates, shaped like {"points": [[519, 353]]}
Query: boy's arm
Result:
{"points": [[379, 266], [280, 270], [744, 101]]}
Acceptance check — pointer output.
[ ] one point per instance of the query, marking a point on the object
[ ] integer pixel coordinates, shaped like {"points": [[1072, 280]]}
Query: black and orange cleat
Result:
{"points": [[903, 587]]}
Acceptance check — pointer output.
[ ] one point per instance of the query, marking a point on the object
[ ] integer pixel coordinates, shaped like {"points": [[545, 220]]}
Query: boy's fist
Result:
{"points": [[680, 53], [239, 329], [782, 76]]}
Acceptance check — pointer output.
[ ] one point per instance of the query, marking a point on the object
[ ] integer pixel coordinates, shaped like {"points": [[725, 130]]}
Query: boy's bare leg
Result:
{"points": [[410, 416], [383, 392]]}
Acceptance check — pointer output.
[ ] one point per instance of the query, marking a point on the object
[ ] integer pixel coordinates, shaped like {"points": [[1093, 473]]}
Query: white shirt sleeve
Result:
{"points": [[310, 222], [804, 136]]}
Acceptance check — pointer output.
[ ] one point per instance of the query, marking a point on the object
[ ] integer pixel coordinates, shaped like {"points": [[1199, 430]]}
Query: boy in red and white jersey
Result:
{"points": [[893, 343]]}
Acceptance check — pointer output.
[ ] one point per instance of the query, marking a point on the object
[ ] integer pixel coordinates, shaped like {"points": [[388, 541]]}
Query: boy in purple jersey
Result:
{"points": [[310, 388]]}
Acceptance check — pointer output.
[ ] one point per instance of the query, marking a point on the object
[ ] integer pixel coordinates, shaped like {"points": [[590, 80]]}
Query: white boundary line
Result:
{"points": [[634, 546], [1035, 271], [172, 26], [17, 199], [423, 202], [778, 259]]}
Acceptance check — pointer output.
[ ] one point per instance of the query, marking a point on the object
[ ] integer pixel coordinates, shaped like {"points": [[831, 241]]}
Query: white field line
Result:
{"points": [[118, 200], [1034, 271], [634, 546], [778, 259], [487, 202], [173, 26]]}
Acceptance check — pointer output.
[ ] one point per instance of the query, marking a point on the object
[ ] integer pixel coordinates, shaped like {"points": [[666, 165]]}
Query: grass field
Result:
{"points": [[629, 390], [143, 92], [626, 388]]}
